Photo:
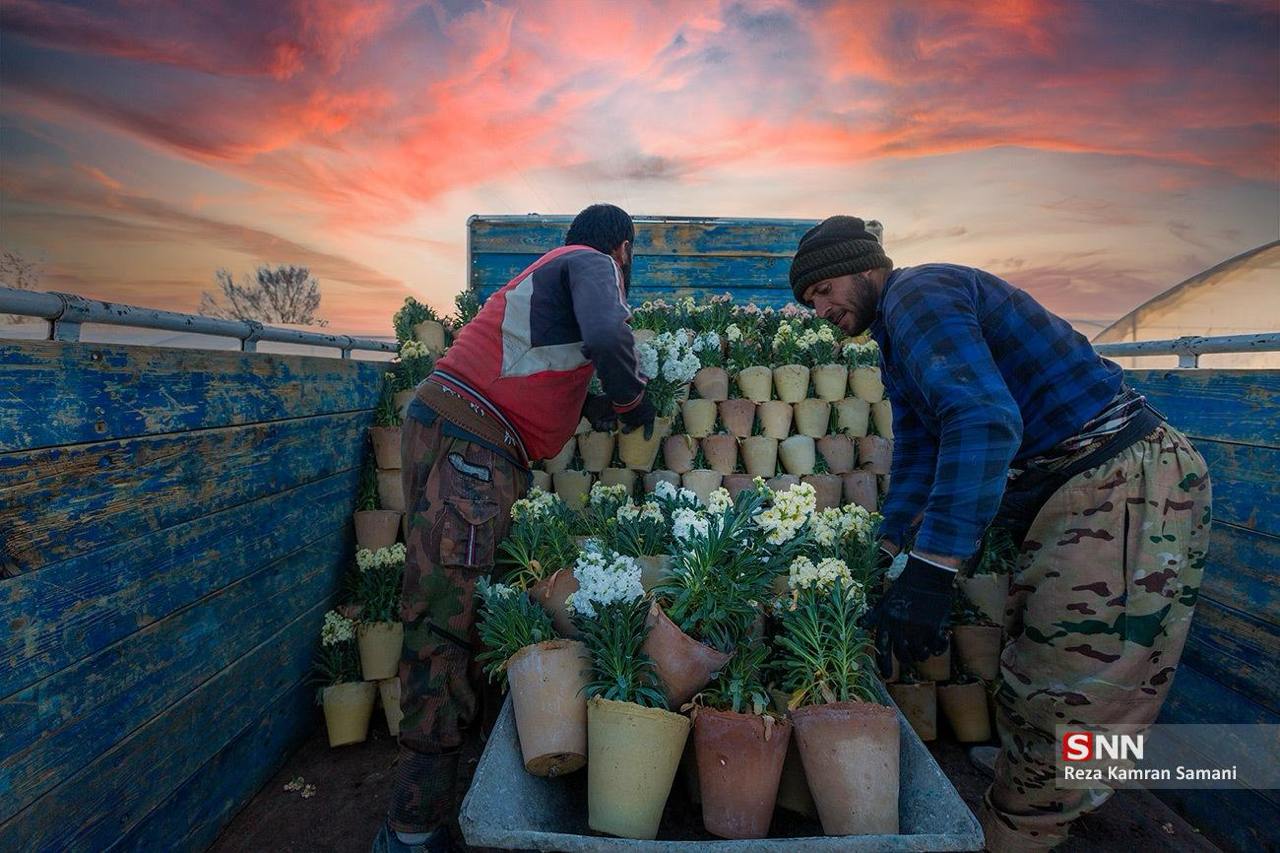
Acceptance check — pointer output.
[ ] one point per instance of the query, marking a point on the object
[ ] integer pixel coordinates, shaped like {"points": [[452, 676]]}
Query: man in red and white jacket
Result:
{"points": [[511, 390]]}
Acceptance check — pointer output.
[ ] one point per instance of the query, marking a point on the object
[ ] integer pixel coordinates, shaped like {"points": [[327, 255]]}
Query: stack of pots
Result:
{"points": [[378, 528]]}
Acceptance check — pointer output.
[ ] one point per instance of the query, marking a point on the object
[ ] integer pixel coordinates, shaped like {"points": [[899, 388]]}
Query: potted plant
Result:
{"points": [[918, 702], [987, 585], [642, 533], [545, 674], [385, 431], [830, 377], [882, 418], [418, 322], [755, 381], [798, 455], [863, 361], [837, 452], [976, 640], [633, 743], [538, 554], [812, 416], [596, 449], [670, 363], [375, 528], [347, 700], [712, 380], [678, 452], [964, 704], [791, 375], [563, 458], [775, 418], [853, 416], [413, 365], [381, 633], [699, 416], [759, 455], [738, 416]]}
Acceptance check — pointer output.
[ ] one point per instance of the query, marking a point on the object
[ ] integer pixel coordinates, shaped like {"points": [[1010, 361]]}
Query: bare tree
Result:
{"points": [[281, 294], [17, 271]]}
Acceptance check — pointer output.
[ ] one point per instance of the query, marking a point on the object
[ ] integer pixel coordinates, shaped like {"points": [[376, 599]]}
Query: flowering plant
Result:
{"points": [[858, 355], [640, 531], [786, 345], [367, 493], [466, 305], [820, 344], [411, 314], [600, 514], [715, 314], [744, 351], [824, 656], [415, 364], [539, 542], [509, 621], [707, 346], [670, 499], [669, 362], [741, 685], [385, 413], [652, 315], [848, 533], [787, 517], [381, 572], [338, 661]]}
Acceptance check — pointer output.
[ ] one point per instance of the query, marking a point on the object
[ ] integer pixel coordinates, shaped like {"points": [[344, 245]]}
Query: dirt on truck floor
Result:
{"points": [[350, 786]]}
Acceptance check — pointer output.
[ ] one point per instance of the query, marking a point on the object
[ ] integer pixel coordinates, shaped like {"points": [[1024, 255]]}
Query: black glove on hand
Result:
{"points": [[599, 412], [641, 416], [911, 620]]}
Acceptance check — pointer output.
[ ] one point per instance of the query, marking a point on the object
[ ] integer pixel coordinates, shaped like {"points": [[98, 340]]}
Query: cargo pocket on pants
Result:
{"points": [[467, 533]]}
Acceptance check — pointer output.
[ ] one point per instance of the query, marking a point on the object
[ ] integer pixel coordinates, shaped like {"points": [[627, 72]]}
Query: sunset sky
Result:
{"points": [[1094, 153]]}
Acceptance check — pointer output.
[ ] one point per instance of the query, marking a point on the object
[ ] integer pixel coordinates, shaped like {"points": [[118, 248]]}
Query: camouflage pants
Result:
{"points": [[1097, 615], [459, 498]]}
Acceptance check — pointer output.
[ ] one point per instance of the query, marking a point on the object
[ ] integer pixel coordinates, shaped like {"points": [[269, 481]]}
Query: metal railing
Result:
{"points": [[66, 312], [1189, 349]]}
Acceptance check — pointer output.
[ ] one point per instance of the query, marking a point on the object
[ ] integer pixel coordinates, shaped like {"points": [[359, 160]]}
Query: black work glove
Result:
{"points": [[911, 620], [641, 416], [600, 413]]}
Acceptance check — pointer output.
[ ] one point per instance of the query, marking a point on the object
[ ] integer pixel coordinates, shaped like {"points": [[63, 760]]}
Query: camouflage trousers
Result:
{"points": [[458, 495], [1097, 614]]}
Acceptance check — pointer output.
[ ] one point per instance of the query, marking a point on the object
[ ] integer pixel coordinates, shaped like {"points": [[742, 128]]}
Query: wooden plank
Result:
{"points": [[57, 725], [1197, 697], [1239, 650], [54, 393], [1243, 570], [664, 236], [93, 808], [749, 278], [69, 501], [70, 610], [1241, 406], [1246, 484]]}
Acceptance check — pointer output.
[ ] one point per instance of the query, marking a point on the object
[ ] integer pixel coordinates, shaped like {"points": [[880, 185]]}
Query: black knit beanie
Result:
{"points": [[837, 246]]}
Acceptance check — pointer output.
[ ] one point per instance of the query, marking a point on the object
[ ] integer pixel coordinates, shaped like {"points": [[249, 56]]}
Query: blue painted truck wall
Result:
{"points": [[174, 526]]}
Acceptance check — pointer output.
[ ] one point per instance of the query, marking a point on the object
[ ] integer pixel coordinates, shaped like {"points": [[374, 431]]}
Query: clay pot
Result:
{"points": [[699, 417], [678, 452], [965, 707], [830, 381], [756, 383], [431, 333], [552, 592], [838, 452], [547, 681], [875, 454], [624, 477], [380, 644], [793, 788], [653, 569], [632, 756], [683, 664], [775, 418], [391, 491], [702, 482], [988, 592], [760, 455], [636, 452], [596, 449], [797, 455], [389, 693], [561, 460], [919, 704], [712, 383], [721, 452], [738, 417], [573, 487], [376, 528], [540, 480], [853, 416], [827, 489], [936, 668], [882, 417], [978, 649], [347, 708], [739, 765], [642, 336], [791, 381], [386, 447], [653, 478], [812, 417], [736, 484], [860, 489], [851, 758], [783, 482], [865, 384]]}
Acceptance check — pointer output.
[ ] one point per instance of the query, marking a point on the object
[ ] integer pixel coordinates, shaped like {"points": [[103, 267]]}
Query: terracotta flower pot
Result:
{"points": [[712, 383], [389, 693], [978, 649], [561, 460], [812, 417], [736, 484], [798, 455], [653, 478], [547, 681], [882, 417], [838, 452], [760, 455], [699, 417], [738, 417], [678, 452], [827, 489], [380, 644], [721, 452], [756, 383], [386, 447], [540, 480], [636, 451], [936, 668], [431, 333], [653, 568], [391, 491], [632, 756], [875, 454], [860, 489], [853, 416], [830, 381], [791, 381], [702, 482], [401, 400], [552, 593], [793, 788], [775, 418], [965, 707], [865, 384], [596, 449], [739, 761], [782, 482], [347, 708], [573, 487], [624, 477], [851, 758], [683, 664], [376, 528], [919, 704], [988, 592]]}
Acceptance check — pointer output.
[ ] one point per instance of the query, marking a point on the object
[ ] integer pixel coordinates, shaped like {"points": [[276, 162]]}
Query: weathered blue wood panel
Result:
{"points": [[1237, 406], [1238, 649], [55, 393], [1243, 570], [1246, 484], [55, 726]]}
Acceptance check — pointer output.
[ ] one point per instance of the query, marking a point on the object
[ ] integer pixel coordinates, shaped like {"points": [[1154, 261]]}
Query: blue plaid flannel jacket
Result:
{"points": [[980, 376]]}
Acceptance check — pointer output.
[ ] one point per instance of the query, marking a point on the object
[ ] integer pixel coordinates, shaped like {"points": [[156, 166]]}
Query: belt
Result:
{"points": [[472, 417]]}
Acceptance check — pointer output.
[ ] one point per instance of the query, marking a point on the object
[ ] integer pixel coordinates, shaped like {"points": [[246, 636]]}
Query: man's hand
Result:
{"points": [[910, 622], [599, 413], [641, 416]]}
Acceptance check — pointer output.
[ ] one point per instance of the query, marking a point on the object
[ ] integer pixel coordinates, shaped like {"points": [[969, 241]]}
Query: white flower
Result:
{"points": [[664, 490], [627, 512], [336, 629], [600, 493], [687, 523], [719, 501], [732, 333], [647, 359], [604, 578], [413, 349], [537, 505], [805, 575]]}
